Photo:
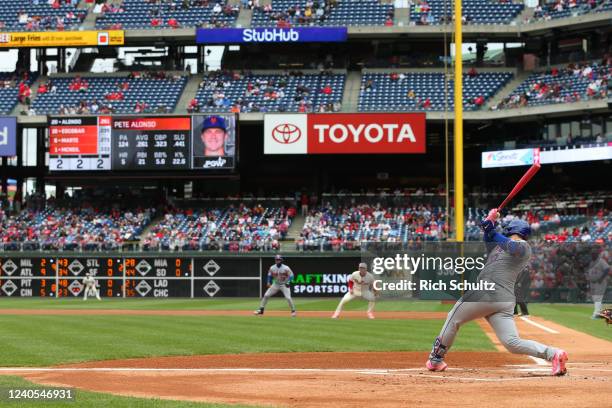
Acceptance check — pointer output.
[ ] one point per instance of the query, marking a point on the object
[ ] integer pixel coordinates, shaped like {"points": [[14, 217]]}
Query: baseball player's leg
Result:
{"points": [[505, 329], [461, 313], [369, 296], [597, 305], [345, 299], [272, 290], [97, 293], [287, 293], [86, 293], [524, 309]]}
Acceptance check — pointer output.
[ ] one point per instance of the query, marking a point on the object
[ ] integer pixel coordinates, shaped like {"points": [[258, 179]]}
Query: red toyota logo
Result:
{"points": [[286, 133]]}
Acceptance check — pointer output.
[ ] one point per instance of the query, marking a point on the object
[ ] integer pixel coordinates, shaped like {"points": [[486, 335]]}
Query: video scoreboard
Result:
{"points": [[147, 143]]}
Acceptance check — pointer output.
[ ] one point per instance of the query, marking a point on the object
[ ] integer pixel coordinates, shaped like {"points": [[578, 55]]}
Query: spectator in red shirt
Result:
{"points": [[193, 104], [24, 93], [327, 90], [155, 22], [173, 22]]}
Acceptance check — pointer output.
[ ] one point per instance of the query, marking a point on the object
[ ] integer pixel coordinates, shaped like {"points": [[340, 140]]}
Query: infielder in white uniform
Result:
{"points": [[90, 287], [508, 256], [597, 274], [279, 278], [361, 285]]}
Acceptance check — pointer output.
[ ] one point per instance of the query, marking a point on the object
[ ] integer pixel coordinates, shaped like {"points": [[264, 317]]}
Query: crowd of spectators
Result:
{"points": [[167, 13], [313, 12], [574, 83], [559, 272], [63, 228], [100, 101], [60, 15], [241, 228], [217, 90], [339, 228], [563, 8]]}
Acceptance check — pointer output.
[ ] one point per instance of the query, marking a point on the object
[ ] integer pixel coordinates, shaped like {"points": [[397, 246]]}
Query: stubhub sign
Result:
{"points": [[270, 35]]}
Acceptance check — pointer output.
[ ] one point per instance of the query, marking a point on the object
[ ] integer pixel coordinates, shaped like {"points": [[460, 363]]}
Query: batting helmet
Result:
{"points": [[518, 227]]}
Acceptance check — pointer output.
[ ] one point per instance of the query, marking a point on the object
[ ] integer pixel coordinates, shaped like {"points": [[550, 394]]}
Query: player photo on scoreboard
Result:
{"points": [[213, 141]]}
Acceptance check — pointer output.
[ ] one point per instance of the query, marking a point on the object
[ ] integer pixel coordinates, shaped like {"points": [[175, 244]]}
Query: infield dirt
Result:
{"points": [[383, 379]]}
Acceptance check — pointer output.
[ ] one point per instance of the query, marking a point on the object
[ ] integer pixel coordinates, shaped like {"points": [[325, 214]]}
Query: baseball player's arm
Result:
{"points": [[290, 277], [350, 284], [269, 278], [605, 270], [493, 237]]}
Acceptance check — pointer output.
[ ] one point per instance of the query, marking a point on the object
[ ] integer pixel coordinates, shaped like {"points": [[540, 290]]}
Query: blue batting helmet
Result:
{"points": [[517, 226]]}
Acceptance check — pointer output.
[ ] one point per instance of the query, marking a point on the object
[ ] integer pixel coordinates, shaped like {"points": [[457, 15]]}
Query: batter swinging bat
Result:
{"points": [[524, 180]]}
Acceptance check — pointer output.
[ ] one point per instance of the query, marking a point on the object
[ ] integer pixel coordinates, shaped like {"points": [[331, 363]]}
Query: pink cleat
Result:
{"points": [[370, 315], [436, 366], [558, 363], [335, 315]]}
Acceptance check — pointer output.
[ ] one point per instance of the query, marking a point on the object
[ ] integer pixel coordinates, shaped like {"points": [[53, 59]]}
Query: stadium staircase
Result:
{"points": [[350, 99], [244, 16], [525, 15], [90, 22], [402, 16], [517, 80], [190, 91], [20, 107], [288, 244]]}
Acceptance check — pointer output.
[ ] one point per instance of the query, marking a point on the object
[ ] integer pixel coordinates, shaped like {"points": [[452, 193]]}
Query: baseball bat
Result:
{"points": [[524, 180]]}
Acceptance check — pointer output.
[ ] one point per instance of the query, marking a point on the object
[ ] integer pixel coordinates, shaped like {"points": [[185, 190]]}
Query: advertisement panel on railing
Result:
{"points": [[562, 154], [61, 38], [270, 35], [507, 158], [344, 133]]}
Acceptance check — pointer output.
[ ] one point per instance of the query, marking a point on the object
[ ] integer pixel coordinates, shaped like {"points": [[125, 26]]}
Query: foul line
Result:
{"points": [[539, 361], [538, 325], [206, 370]]}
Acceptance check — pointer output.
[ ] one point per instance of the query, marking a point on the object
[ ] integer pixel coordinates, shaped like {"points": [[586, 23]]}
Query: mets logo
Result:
{"points": [[286, 133]]}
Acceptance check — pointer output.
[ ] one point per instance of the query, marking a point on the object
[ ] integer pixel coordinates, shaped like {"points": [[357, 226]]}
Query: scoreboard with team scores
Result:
{"points": [[160, 277]]}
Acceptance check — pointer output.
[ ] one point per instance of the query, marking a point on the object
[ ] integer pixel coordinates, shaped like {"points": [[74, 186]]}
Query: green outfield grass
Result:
{"points": [[48, 340], [577, 317], [95, 399], [277, 303]]}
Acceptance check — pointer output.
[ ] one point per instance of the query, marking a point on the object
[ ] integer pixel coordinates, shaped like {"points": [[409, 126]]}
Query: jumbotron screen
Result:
{"points": [[126, 143]]}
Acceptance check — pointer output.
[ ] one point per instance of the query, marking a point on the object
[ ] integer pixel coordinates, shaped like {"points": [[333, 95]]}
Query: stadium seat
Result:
{"points": [[137, 14], [236, 92], [158, 94], [388, 95], [38, 15], [345, 13]]}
